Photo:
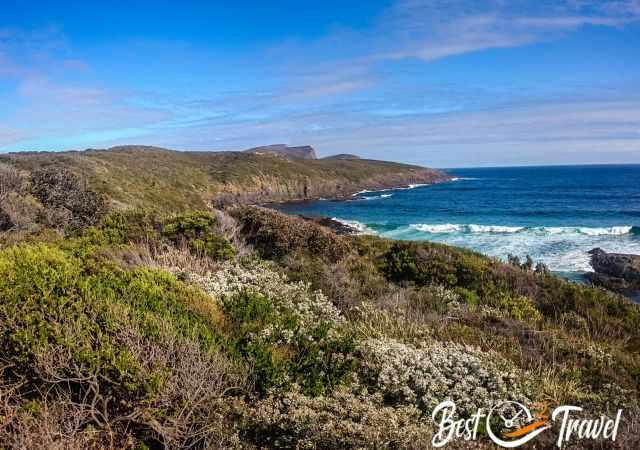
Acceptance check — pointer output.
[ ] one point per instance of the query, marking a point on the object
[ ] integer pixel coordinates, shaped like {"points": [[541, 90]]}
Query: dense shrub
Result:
{"points": [[520, 308], [288, 332], [425, 376], [93, 354], [123, 341], [197, 230], [140, 225], [281, 351], [275, 235], [427, 263], [68, 201], [342, 420]]}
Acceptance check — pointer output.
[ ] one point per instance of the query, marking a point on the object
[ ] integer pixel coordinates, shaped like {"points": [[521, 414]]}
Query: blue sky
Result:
{"points": [[440, 83]]}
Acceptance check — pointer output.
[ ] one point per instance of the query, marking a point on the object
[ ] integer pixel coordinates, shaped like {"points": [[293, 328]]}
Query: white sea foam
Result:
{"points": [[361, 227], [493, 229], [588, 231], [473, 228], [375, 197], [463, 228], [400, 188], [616, 231], [562, 249], [440, 228]]}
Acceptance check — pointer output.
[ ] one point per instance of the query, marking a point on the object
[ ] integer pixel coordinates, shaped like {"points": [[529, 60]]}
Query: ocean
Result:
{"points": [[554, 214]]}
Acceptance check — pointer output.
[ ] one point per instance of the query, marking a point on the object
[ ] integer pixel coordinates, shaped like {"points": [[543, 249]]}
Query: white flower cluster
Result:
{"points": [[443, 298], [310, 307], [344, 419], [427, 375], [442, 293]]}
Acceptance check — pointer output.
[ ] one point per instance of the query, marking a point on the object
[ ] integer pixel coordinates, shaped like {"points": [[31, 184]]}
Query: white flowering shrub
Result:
{"points": [[425, 376], [436, 297], [344, 419], [287, 331], [310, 307], [443, 294]]}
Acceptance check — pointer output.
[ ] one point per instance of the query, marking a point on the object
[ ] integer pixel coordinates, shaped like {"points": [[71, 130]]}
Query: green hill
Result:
{"points": [[172, 180]]}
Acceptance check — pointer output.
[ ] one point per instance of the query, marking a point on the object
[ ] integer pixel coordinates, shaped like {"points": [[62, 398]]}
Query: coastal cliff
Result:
{"points": [[134, 176]]}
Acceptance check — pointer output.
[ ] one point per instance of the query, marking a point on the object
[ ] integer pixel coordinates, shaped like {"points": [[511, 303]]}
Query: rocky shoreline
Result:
{"points": [[616, 272], [334, 225], [272, 191]]}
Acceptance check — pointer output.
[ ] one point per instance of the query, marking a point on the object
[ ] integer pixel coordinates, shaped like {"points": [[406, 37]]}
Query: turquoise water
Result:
{"points": [[554, 214]]}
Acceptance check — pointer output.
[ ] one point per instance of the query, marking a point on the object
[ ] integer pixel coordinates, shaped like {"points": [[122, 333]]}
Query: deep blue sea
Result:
{"points": [[554, 214]]}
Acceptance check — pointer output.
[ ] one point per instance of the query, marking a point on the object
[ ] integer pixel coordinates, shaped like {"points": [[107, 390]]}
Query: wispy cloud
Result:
{"points": [[347, 91], [434, 29]]}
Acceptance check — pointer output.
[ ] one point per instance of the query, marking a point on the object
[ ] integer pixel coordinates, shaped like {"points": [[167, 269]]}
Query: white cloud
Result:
{"points": [[434, 29]]}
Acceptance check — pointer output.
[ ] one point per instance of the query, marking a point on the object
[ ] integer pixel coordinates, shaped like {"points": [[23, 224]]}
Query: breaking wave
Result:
{"points": [[376, 197], [473, 228], [361, 227]]}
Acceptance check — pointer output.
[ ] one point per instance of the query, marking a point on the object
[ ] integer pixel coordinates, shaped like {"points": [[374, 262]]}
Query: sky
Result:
{"points": [[440, 83]]}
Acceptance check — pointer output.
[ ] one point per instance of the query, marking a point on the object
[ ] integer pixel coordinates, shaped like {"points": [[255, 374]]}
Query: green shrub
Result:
{"points": [[189, 225], [281, 350], [407, 261], [51, 305], [519, 308], [121, 227], [198, 231], [468, 296]]}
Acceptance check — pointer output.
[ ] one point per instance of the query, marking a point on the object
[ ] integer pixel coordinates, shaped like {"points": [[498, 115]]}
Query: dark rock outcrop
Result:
{"points": [[615, 271], [301, 152], [335, 226]]}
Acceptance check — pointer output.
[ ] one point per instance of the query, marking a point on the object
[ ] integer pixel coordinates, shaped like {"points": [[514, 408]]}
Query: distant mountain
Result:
{"points": [[301, 152], [342, 156]]}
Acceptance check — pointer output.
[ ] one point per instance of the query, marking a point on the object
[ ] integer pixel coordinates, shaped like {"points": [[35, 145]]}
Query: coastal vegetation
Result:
{"points": [[170, 181], [161, 321]]}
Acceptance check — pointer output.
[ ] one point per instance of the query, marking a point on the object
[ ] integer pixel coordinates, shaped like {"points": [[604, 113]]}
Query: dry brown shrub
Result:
{"points": [[10, 181], [229, 227], [173, 259], [276, 235], [68, 199], [195, 394]]}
